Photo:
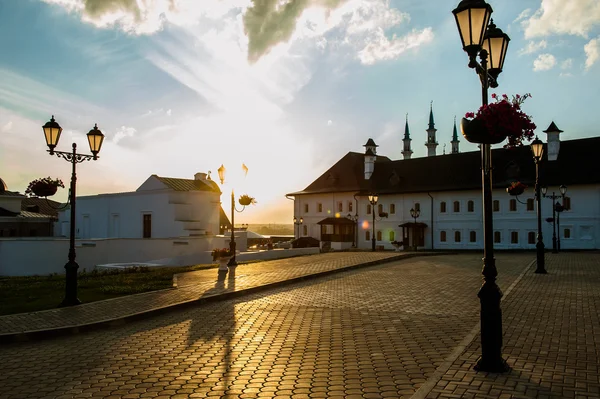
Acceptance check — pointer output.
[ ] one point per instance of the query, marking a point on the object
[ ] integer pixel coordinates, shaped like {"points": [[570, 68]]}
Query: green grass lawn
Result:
{"points": [[29, 294]]}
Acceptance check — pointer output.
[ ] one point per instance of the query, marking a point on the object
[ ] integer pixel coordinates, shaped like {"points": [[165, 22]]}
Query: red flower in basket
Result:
{"points": [[218, 253], [516, 188], [44, 187]]}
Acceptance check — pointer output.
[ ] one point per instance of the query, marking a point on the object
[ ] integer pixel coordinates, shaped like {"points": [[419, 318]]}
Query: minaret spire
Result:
{"points": [[407, 152], [454, 139], [431, 142]]}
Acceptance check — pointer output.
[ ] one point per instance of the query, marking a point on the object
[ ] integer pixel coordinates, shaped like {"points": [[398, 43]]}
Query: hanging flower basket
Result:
{"points": [[45, 187], [246, 200], [495, 122], [516, 188], [476, 131], [220, 253]]}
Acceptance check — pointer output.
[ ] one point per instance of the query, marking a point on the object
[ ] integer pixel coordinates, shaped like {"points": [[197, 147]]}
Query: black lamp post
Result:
{"points": [[415, 213], [373, 198], [472, 18], [537, 148], [298, 223], [559, 207], [555, 206], [95, 137]]}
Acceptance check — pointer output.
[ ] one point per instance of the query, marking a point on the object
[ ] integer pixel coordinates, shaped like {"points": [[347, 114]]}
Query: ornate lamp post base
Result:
{"points": [[71, 285], [491, 330]]}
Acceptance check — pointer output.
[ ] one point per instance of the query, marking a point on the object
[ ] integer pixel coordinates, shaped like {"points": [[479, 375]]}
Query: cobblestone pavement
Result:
{"points": [[192, 286], [367, 333], [551, 338]]}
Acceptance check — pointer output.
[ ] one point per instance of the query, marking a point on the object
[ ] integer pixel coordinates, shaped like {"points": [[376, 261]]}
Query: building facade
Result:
{"points": [[446, 191]]}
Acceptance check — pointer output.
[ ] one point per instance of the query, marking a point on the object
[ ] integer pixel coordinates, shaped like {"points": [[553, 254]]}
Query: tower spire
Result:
{"points": [[431, 142], [454, 139], [407, 152]]}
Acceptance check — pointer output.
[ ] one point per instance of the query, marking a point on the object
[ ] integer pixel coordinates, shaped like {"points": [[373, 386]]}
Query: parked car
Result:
{"points": [[305, 242]]}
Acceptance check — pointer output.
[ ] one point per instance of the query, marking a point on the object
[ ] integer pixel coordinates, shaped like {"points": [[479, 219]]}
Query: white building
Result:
{"points": [[447, 191], [162, 207]]}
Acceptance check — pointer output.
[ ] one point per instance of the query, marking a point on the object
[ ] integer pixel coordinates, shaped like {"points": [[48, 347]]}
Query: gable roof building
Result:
{"points": [[447, 191]]}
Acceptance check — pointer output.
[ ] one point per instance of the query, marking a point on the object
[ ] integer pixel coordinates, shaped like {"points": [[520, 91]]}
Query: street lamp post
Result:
{"points": [[95, 137], [537, 148], [415, 213], [232, 244], [355, 235], [559, 208], [487, 42], [555, 206], [373, 198], [298, 223]]}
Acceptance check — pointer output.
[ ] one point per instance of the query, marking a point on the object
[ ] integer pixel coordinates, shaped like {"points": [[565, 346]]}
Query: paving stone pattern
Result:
{"points": [[551, 338], [368, 333], [192, 286]]}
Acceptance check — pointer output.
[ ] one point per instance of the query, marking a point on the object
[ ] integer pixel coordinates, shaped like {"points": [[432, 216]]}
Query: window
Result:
{"points": [[319, 208], [340, 207], [567, 203], [379, 235], [473, 236], [497, 237], [456, 206], [457, 236], [513, 205], [368, 209], [443, 207], [567, 233], [417, 207], [531, 237], [147, 222], [442, 236], [530, 204], [367, 235], [305, 208], [392, 236], [304, 230], [470, 206], [496, 206], [392, 208], [349, 206], [514, 237], [379, 209]]}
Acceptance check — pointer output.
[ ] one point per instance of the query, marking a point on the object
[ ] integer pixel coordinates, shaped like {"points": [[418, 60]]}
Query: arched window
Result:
{"points": [[392, 208], [367, 235], [513, 205], [473, 236], [496, 206], [305, 230], [379, 235], [443, 207], [567, 203], [392, 236], [530, 204], [531, 237], [457, 236], [497, 237], [379, 209], [456, 206], [442, 236], [368, 209], [470, 206]]}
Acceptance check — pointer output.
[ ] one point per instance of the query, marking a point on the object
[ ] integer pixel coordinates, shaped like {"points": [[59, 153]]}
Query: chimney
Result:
{"points": [[553, 141], [200, 176]]}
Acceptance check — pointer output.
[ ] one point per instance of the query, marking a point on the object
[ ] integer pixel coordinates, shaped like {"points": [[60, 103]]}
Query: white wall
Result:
{"points": [[27, 256], [583, 219]]}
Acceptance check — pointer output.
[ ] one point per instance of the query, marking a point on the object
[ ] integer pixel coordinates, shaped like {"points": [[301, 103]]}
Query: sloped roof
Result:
{"points": [[44, 206], [336, 221], [576, 164], [189, 184], [12, 194]]}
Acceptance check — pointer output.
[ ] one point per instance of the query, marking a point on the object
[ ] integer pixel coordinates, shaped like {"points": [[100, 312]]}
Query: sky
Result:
{"points": [[286, 87]]}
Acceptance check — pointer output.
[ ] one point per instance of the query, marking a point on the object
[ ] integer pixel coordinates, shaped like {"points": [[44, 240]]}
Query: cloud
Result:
{"points": [[533, 47], [123, 132], [266, 24], [382, 48], [524, 14], [567, 64], [592, 52], [544, 62], [7, 127], [329, 122], [573, 17]]}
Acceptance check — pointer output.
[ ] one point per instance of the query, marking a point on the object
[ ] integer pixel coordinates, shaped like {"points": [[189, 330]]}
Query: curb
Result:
{"points": [[36, 335]]}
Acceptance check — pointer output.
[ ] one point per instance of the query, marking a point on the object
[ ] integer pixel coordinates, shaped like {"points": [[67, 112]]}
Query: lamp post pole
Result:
{"points": [[298, 223], [95, 137], [537, 147], [480, 37], [555, 205], [373, 201], [415, 213]]}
